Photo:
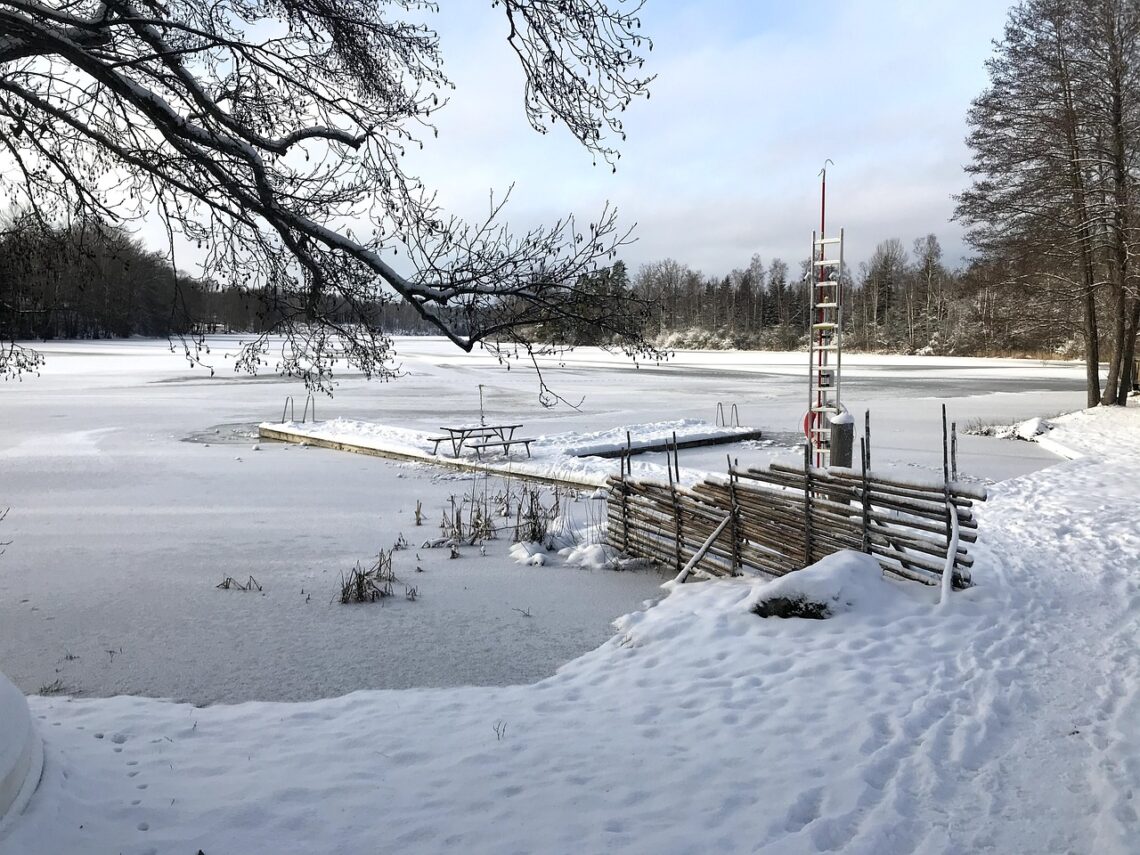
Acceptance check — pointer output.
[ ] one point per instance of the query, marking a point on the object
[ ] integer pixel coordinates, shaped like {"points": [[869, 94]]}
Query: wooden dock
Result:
{"points": [[504, 470]]}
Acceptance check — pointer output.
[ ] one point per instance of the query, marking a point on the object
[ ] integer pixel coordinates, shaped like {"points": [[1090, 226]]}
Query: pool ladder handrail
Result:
{"points": [[734, 416], [288, 408]]}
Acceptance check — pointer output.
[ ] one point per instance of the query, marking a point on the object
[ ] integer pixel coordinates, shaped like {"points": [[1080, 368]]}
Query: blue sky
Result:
{"points": [[750, 99]]}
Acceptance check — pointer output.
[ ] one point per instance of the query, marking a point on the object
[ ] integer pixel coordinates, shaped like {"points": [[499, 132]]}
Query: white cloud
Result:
{"points": [[750, 100]]}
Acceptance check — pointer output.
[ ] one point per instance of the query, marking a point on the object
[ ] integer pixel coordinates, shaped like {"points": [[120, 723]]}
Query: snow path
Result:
{"points": [[1069, 540]]}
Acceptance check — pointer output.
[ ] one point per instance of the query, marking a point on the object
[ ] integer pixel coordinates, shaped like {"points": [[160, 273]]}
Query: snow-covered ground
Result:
{"points": [[1006, 722]]}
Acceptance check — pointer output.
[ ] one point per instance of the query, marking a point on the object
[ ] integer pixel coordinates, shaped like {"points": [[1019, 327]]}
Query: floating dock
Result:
{"points": [[558, 468]]}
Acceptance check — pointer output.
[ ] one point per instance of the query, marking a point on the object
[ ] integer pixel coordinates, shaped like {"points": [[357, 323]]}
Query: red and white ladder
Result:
{"points": [[825, 350]]}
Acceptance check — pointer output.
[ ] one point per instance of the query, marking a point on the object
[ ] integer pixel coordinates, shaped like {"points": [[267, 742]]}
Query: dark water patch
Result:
{"points": [[237, 433]]}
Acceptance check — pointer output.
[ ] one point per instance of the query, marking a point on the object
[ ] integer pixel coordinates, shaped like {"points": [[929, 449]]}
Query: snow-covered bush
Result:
{"points": [[835, 584]]}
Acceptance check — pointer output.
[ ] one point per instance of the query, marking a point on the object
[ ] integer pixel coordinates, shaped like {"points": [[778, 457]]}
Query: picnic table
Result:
{"points": [[480, 437]]}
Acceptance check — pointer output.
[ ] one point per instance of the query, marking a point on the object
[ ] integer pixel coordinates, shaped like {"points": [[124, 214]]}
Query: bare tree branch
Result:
{"points": [[273, 134]]}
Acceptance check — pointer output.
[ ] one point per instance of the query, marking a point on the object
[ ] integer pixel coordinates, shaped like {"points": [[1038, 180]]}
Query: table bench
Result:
{"points": [[479, 437]]}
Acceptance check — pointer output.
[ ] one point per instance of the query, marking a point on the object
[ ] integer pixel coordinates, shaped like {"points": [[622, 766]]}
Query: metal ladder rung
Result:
{"points": [[825, 325], [827, 241], [827, 262], [827, 305]]}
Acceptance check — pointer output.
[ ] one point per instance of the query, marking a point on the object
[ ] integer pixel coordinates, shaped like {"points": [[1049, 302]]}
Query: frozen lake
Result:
{"points": [[121, 528]]}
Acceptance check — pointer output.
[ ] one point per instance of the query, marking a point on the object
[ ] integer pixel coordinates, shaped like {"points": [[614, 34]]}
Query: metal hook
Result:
{"points": [[823, 171]]}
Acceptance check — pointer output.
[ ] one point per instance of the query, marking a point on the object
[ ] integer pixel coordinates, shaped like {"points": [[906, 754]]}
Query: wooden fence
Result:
{"points": [[784, 518]]}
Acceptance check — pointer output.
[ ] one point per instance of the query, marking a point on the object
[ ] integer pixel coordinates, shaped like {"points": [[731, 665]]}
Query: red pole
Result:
{"points": [[822, 209]]}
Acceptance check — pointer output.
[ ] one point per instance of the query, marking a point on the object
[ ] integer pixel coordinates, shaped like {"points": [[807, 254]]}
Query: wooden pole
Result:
{"points": [[953, 451], [676, 518], [945, 447], [865, 498], [807, 505], [928, 506], [950, 512], [624, 506], [867, 435], [736, 562], [700, 553], [676, 457]]}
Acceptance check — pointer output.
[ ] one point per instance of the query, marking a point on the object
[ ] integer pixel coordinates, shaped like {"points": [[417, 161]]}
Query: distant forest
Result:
{"points": [[900, 300], [91, 281]]}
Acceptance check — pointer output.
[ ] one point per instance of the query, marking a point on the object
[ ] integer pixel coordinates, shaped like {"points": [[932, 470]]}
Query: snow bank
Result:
{"points": [[1031, 428], [587, 553], [592, 556], [1100, 432], [841, 582], [1097, 432], [530, 554], [849, 582], [21, 753]]}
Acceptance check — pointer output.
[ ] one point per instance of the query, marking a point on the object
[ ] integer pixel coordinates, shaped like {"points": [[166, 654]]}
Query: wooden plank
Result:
{"points": [[963, 492], [667, 444], [929, 507]]}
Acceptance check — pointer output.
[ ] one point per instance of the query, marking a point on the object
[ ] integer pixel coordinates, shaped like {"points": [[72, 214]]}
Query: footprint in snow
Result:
{"points": [[804, 810]]}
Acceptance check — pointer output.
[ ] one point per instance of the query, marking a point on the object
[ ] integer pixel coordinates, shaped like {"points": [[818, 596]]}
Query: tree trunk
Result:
{"points": [[1129, 356], [1118, 230], [1081, 212]]}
